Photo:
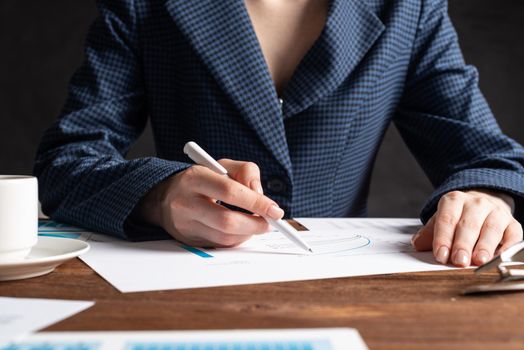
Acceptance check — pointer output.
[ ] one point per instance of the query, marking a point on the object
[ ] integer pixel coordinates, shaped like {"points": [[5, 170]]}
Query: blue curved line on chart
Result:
{"points": [[354, 248], [364, 245]]}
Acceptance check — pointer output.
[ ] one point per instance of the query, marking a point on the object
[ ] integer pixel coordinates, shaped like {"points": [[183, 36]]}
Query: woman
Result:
{"points": [[297, 95]]}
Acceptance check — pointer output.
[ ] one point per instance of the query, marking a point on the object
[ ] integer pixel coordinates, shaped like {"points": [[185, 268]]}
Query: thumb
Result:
{"points": [[247, 173], [423, 239]]}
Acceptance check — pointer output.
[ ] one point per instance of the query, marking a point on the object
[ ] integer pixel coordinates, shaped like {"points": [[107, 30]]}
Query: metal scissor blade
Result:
{"points": [[489, 265], [514, 253]]}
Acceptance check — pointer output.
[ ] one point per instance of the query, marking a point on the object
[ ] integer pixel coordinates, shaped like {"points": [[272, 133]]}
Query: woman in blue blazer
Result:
{"points": [[297, 96]]}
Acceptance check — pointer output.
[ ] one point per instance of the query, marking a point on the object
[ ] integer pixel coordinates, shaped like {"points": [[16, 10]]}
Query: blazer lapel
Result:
{"points": [[222, 35], [350, 31]]}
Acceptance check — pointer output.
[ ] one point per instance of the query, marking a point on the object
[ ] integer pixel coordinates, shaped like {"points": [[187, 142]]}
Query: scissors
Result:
{"points": [[515, 253]]}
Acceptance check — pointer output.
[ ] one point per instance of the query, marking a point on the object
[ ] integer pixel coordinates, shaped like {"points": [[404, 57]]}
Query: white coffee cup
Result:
{"points": [[18, 216]]}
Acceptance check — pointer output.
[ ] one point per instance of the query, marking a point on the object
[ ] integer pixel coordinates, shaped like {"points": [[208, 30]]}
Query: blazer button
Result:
{"points": [[276, 185]]}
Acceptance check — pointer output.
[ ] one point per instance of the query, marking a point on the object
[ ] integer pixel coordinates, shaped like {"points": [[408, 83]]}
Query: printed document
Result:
{"points": [[343, 248], [291, 339], [20, 316]]}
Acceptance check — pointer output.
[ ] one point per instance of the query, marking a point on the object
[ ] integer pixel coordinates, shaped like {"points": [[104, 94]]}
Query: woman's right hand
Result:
{"points": [[185, 205]]}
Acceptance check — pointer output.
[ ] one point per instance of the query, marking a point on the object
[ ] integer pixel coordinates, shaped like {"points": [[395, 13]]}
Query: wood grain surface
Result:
{"points": [[398, 311]]}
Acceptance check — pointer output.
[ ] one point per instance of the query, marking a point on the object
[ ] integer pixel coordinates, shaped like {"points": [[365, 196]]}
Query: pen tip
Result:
{"points": [[310, 250]]}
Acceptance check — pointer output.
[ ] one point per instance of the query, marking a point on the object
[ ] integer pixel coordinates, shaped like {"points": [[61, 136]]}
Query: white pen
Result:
{"points": [[201, 157]]}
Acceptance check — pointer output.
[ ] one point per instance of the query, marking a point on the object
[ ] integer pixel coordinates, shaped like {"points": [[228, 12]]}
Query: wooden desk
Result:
{"points": [[401, 311]]}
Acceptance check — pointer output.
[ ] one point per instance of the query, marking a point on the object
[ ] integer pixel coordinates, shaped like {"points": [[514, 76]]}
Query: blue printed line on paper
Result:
{"points": [[60, 234], [246, 345], [50, 225], [52, 346], [49, 228], [178, 345], [196, 251], [53, 224]]}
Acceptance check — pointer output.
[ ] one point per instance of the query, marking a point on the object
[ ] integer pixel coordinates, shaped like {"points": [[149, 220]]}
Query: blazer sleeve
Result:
{"points": [[446, 122], [84, 178]]}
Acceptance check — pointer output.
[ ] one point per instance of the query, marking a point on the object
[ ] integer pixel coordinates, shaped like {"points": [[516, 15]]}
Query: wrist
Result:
{"points": [[508, 199], [149, 208]]}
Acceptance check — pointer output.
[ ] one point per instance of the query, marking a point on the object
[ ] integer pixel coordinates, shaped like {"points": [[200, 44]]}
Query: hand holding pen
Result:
{"points": [[201, 157], [185, 205]]}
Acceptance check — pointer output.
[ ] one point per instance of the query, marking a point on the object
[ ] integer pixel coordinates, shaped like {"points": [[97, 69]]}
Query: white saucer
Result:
{"points": [[47, 254]]}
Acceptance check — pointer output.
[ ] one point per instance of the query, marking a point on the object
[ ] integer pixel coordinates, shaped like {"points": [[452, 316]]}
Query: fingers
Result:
{"points": [[212, 185], [423, 240], [512, 235], [247, 173], [491, 235], [225, 220], [191, 215], [448, 214], [469, 226], [197, 234], [468, 229]]}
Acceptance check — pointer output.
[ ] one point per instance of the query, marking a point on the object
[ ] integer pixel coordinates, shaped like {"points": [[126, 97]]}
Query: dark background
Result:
{"points": [[41, 44]]}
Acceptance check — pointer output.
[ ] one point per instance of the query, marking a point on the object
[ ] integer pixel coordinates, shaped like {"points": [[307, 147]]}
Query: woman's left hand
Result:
{"points": [[469, 227]]}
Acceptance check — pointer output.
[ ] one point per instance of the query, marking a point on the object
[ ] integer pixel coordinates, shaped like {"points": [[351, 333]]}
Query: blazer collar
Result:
{"points": [[223, 36]]}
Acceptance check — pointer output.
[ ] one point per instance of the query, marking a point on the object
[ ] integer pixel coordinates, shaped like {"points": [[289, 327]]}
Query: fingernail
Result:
{"points": [[442, 255], [482, 256], [257, 186], [275, 212], [461, 258], [414, 238]]}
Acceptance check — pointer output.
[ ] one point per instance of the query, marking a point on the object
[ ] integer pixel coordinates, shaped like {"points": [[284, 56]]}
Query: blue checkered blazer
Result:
{"points": [[196, 70]]}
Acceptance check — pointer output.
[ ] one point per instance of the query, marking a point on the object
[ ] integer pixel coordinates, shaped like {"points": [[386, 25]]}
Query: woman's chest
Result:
{"points": [[286, 30]]}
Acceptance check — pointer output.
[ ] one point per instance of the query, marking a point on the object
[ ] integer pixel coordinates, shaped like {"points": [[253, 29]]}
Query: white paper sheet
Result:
{"points": [[345, 247], [293, 339], [20, 316]]}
